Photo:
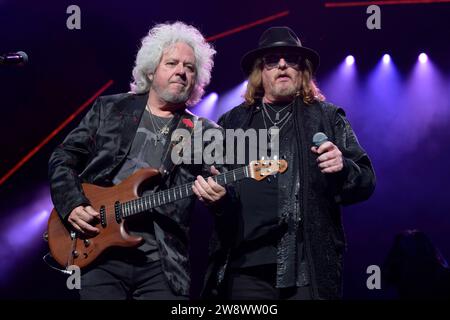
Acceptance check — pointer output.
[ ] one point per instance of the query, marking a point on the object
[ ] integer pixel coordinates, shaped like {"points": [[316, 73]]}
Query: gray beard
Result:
{"points": [[288, 92], [171, 97]]}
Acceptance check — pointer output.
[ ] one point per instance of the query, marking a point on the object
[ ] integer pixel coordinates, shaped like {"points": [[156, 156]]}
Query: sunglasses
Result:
{"points": [[271, 61]]}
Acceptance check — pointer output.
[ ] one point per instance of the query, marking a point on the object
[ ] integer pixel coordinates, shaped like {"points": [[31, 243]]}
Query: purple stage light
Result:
{"points": [[212, 106], [205, 107], [230, 99], [350, 60], [213, 97], [22, 230], [378, 119], [423, 58], [341, 85], [28, 222]]}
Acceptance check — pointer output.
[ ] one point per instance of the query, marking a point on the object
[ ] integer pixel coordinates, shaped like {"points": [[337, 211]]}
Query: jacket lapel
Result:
{"points": [[132, 110]]}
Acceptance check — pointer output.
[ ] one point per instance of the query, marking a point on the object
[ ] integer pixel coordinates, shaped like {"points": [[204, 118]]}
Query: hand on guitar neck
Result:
{"points": [[208, 191]]}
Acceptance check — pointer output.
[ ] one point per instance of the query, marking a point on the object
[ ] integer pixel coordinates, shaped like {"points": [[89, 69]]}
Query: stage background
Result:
{"points": [[401, 116]]}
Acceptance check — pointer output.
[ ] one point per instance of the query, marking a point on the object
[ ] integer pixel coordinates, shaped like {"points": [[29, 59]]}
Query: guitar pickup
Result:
{"points": [[118, 211], [103, 216]]}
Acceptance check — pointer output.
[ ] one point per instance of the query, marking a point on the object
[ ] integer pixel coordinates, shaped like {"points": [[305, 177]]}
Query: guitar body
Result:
{"points": [[69, 248]]}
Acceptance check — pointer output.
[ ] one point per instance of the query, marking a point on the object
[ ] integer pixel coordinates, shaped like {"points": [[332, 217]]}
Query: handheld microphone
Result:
{"points": [[319, 138], [19, 58]]}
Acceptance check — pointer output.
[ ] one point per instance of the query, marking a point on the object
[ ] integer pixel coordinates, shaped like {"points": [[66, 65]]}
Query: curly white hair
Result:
{"points": [[163, 36]]}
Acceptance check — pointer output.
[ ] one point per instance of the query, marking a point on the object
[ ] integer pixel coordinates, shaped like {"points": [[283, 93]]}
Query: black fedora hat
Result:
{"points": [[278, 37]]}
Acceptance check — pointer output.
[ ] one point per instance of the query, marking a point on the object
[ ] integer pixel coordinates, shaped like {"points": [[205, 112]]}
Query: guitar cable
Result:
{"points": [[49, 263]]}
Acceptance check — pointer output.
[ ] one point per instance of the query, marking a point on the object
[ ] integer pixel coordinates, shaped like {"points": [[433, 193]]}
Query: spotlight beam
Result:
{"points": [[54, 133], [248, 25]]}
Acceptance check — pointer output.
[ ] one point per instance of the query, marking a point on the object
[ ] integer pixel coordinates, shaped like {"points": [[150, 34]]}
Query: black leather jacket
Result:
{"points": [[95, 150], [309, 201]]}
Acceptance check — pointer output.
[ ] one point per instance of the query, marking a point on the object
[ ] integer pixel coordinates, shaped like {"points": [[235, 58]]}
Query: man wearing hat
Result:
{"points": [[282, 238]]}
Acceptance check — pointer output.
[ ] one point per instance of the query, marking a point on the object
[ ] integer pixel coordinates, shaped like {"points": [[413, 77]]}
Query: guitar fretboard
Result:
{"points": [[160, 198]]}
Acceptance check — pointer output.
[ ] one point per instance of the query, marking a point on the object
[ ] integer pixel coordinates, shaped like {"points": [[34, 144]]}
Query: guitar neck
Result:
{"points": [[160, 198]]}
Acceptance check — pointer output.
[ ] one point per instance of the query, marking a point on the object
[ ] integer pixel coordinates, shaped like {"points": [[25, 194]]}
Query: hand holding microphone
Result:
{"points": [[330, 158]]}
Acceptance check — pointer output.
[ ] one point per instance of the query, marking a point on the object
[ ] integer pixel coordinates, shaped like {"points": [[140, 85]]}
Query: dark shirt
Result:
{"points": [[146, 151], [259, 229]]}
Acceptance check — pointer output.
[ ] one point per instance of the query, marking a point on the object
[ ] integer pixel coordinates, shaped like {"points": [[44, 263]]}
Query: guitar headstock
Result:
{"points": [[260, 169]]}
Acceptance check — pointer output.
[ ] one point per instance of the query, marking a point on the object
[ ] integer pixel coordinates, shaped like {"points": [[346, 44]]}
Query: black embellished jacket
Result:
{"points": [[95, 150], [309, 202]]}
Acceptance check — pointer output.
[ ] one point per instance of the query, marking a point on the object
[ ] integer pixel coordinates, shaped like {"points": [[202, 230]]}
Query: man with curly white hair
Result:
{"points": [[126, 132]]}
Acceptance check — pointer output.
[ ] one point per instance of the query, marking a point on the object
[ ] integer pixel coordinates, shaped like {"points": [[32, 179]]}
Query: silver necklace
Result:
{"points": [[277, 113], [274, 129], [275, 124], [161, 130]]}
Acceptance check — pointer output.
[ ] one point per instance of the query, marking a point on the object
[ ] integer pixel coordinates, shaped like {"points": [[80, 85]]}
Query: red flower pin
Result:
{"points": [[188, 123]]}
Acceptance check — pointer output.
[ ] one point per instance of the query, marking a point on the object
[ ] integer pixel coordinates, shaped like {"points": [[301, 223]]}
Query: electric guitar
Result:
{"points": [[118, 203]]}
